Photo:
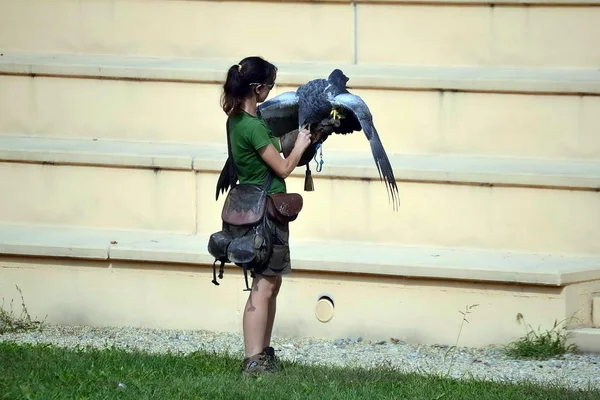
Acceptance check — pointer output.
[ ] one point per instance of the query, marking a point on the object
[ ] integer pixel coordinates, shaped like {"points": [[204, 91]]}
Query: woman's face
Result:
{"points": [[263, 91]]}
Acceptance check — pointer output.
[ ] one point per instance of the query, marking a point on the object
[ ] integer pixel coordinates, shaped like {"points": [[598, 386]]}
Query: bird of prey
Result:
{"points": [[311, 106]]}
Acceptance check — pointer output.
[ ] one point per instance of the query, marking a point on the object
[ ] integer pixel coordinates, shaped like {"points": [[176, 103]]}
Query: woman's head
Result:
{"points": [[253, 76]]}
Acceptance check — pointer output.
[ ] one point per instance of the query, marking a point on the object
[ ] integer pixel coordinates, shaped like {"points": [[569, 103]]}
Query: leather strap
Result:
{"points": [[232, 172]]}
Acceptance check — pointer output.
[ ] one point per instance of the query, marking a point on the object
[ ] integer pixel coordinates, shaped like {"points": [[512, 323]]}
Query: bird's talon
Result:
{"points": [[335, 114]]}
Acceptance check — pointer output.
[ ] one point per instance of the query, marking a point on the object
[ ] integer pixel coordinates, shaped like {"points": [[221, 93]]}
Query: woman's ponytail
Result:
{"points": [[240, 76]]}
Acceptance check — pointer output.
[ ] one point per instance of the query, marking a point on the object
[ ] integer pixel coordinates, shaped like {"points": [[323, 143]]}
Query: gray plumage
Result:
{"points": [[315, 101]]}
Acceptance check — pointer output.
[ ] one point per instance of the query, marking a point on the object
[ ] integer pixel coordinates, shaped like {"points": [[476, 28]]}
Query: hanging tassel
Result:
{"points": [[308, 180]]}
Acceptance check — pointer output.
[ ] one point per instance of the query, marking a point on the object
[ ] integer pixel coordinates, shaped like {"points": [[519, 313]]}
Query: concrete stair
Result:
{"points": [[117, 275], [111, 140], [319, 256], [442, 110], [171, 188], [415, 34], [586, 339]]}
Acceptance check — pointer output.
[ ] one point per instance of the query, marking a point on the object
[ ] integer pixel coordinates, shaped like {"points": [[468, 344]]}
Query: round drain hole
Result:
{"points": [[324, 309]]}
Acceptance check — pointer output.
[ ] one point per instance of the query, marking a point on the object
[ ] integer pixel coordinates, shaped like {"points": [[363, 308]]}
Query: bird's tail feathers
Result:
{"points": [[227, 178], [384, 168]]}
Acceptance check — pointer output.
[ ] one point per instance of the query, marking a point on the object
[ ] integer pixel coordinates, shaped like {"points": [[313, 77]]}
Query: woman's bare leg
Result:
{"points": [[256, 313], [272, 311]]}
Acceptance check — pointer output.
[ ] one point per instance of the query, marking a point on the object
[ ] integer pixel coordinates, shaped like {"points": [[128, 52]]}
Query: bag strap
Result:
{"points": [[232, 172], [268, 181]]}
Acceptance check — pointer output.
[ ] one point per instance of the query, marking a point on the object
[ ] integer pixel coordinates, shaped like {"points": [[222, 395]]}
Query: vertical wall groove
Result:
{"points": [[355, 33]]}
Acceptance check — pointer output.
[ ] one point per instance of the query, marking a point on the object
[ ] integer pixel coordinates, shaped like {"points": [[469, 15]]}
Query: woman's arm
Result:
{"points": [[283, 167], [321, 132]]}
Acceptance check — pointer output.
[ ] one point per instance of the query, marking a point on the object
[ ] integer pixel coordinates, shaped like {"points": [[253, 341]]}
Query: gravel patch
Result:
{"points": [[572, 370]]}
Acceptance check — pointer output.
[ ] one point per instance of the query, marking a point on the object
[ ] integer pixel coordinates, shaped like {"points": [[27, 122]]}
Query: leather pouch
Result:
{"points": [[245, 205], [284, 207]]}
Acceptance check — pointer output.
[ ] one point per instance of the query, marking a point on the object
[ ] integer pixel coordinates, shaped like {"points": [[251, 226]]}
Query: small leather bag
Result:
{"points": [[284, 207], [245, 238]]}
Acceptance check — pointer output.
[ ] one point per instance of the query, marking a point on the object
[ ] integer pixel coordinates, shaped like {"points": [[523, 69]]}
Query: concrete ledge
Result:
{"points": [[461, 169], [54, 242], [534, 80], [347, 165], [377, 259], [445, 263], [450, 2], [103, 152], [586, 339], [335, 257]]}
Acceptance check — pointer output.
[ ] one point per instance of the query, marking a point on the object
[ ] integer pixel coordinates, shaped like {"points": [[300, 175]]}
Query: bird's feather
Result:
{"points": [[359, 108], [311, 105], [280, 113]]}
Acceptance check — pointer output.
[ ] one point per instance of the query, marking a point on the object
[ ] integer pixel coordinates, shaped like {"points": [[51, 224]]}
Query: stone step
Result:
{"points": [[177, 101], [460, 78], [596, 311], [487, 203], [141, 278], [208, 157], [307, 255], [415, 34], [586, 339]]}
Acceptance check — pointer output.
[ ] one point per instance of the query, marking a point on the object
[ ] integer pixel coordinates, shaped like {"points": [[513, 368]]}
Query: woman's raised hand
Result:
{"points": [[303, 140]]}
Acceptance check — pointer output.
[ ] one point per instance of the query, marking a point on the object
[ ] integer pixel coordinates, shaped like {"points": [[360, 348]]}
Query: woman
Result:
{"points": [[255, 150]]}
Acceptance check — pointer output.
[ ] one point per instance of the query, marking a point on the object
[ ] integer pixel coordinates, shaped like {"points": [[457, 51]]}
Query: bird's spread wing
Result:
{"points": [[280, 113], [359, 108]]}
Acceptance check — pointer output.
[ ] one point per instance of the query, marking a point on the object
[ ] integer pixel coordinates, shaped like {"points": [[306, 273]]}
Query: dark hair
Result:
{"points": [[240, 78]]}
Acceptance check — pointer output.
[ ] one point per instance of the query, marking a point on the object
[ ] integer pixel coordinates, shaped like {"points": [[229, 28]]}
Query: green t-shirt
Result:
{"points": [[248, 135]]}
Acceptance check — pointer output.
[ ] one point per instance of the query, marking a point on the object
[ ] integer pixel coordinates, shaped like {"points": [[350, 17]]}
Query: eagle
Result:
{"points": [[324, 106]]}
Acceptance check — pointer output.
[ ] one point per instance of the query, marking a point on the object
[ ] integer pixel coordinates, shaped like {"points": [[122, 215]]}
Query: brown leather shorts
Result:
{"points": [[279, 263]]}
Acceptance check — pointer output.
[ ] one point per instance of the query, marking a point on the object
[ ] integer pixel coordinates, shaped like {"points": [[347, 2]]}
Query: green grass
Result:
{"points": [[542, 344], [10, 322], [47, 372]]}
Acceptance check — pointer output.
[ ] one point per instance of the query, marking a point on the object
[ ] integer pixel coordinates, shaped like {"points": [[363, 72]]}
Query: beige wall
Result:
{"points": [[432, 214], [161, 296], [409, 122], [415, 34], [549, 52]]}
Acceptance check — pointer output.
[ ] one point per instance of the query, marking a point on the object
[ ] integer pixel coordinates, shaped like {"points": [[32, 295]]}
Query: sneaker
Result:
{"points": [[271, 359], [256, 365]]}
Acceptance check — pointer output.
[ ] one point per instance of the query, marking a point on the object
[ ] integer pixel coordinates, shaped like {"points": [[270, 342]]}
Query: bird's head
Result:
{"points": [[337, 78]]}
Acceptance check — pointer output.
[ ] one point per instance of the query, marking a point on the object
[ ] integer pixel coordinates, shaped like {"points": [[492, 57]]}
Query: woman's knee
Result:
{"points": [[266, 286]]}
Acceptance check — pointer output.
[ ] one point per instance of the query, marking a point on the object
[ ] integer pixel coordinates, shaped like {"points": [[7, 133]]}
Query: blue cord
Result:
{"points": [[319, 163]]}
